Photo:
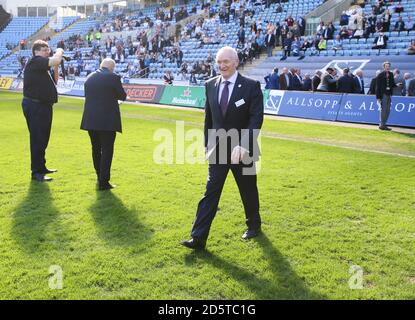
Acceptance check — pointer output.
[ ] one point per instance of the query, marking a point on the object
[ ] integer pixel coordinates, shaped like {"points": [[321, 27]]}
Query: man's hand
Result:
{"points": [[59, 51], [237, 154]]}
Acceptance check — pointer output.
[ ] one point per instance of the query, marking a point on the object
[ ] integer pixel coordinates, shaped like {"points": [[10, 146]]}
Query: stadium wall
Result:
{"points": [[310, 105]]}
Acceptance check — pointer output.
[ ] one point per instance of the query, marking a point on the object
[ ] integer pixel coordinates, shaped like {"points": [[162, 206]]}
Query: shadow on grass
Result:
{"points": [[33, 221], [117, 224], [285, 283]]}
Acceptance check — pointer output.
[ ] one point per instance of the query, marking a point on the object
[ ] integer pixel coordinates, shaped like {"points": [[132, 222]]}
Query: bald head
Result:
{"points": [[108, 63]]}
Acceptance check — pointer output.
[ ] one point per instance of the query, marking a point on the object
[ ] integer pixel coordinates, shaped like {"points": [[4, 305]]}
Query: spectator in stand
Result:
{"points": [[399, 8], [287, 46], [322, 45], [399, 25], [380, 41], [316, 80], [272, 80], [296, 46], [277, 34], [344, 19], [290, 21], [168, 77], [387, 16], [328, 32], [241, 35], [301, 24], [269, 43], [346, 84], [344, 33], [304, 47], [409, 24], [371, 27], [358, 33], [411, 48], [307, 84], [337, 44]]}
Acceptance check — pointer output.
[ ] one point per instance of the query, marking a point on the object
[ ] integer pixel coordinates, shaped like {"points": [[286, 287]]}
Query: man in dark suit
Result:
{"points": [[385, 83], [359, 83], [307, 83], [234, 113], [272, 80], [297, 80], [372, 86], [380, 41], [39, 95], [315, 81], [269, 42], [285, 79], [346, 84], [102, 118]]}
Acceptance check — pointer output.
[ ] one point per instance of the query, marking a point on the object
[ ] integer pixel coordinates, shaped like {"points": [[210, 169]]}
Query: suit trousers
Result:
{"points": [[102, 152], [385, 109], [208, 206], [39, 122]]}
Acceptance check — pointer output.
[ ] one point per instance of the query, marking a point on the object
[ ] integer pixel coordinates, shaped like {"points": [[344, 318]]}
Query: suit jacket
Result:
{"points": [[372, 87], [346, 84], [315, 82], [411, 88], [381, 84], [296, 83], [103, 89], [327, 84], [283, 82], [385, 40], [271, 42], [307, 85], [248, 115], [360, 86], [272, 81]]}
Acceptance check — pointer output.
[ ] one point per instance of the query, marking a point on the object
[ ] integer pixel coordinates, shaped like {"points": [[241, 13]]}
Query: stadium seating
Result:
{"points": [[19, 28]]}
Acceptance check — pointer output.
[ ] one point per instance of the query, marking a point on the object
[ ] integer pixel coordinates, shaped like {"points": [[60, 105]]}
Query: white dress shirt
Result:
{"points": [[231, 84]]}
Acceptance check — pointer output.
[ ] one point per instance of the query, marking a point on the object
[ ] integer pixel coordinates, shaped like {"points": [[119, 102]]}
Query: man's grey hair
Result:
{"points": [[108, 63], [230, 50]]}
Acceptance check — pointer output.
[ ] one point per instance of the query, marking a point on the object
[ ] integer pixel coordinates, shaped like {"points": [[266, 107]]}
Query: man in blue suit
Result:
{"points": [[234, 108], [101, 117], [272, 81]]}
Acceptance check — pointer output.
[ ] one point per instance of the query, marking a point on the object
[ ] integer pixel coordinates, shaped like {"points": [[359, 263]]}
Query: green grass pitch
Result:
{"points": [[331, 198]]}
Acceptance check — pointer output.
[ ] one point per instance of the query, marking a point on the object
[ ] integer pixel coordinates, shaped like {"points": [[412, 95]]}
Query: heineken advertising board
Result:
{"points": [[184, 96]]}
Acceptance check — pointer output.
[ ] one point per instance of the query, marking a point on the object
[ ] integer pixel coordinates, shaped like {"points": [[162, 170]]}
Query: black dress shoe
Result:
{"points": [[46, 171], [106, 186], [251, 234], [195, 244], [385, 128], [41, 177]]}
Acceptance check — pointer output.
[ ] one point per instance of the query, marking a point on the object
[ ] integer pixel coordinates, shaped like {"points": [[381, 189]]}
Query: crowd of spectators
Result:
{"points": [[330, 81]]}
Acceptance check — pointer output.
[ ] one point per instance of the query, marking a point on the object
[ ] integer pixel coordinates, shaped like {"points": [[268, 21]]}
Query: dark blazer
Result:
{"points": [[248, 115], [360, 88], [381, 84], [385, 41], [103, 89], [271, 42], [372, 87], [296, 83], [272, 81], [346, 84], [283, 82], [307, 84], [315, 82]]}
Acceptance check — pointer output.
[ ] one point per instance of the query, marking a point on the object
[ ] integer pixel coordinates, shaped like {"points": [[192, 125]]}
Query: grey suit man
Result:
{"points": [[101, 117]]}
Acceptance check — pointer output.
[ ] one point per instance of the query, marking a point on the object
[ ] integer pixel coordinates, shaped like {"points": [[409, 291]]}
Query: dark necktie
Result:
{"points": [[224, 98]]}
